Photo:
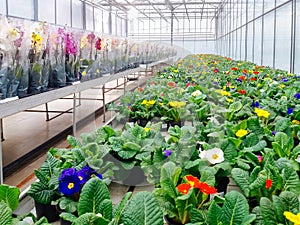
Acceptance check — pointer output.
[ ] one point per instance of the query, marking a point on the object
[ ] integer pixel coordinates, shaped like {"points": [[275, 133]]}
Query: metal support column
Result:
{"points": [[1, 126], [1, 163], [74, 115], [47, 112], [104, 104]]}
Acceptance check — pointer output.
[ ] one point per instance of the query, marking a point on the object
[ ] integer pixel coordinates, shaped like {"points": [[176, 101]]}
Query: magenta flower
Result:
{"points": [[260, 158], [98, 44]]}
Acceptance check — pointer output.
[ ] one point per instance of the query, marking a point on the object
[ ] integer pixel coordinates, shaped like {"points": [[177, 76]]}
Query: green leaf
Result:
{"points": [[268, 211], [90, 219], [68, 205], [106, 209], [235, 209], [236, 106], [143, 210], [277, 148], [10, 195], [91, 196], [291, 180], [169, 178], [289, 201], [121, 206], [258, 147], [5, 214], [259, 218], [68, 216], [127, 154], [241, 178], [282, 124], [213, 215], [198, 216], [73, 141], [132, 146], [279, 208], [41, 193]]}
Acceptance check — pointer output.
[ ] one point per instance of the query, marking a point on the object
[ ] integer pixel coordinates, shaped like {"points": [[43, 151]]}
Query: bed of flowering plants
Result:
{"points": [[227, 121]]}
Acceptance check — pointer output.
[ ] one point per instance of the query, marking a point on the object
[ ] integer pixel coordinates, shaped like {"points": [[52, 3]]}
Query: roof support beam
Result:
{"points": [[186, 11], [158, 11]]}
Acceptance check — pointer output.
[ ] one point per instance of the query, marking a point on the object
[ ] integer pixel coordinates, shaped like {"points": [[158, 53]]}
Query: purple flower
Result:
{"points": [[85, 174], [255, 104], [284, 80], [274, 132], [69, 183], [297, 95], [167, 152], [99, 175], [290, 111]]}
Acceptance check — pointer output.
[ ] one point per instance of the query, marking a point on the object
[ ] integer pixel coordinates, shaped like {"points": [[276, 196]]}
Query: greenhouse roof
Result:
{"points": [[165, 9]]}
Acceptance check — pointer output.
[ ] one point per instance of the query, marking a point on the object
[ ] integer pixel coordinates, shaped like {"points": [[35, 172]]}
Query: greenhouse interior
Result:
{"points": [[149, 112]]}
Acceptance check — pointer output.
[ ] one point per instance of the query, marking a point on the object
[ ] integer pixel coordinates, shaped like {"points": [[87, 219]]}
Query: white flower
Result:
{"points": [[196, 93], [298, 158], [283, 98], [215, 155], [262, 90], [202, 154]]}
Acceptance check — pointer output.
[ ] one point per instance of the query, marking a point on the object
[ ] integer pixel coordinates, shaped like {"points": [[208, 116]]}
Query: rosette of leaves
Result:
{"points": [[233, 209], [9, 201], [136, 143], [95, 207], [270, 211], [280, 174]]}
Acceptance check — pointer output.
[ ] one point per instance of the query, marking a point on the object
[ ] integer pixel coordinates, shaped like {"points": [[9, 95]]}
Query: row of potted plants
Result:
{"points": [[36, 57], [230, 128]]}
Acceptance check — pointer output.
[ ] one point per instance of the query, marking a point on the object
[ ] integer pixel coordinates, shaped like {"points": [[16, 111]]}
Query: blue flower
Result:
{"points": [[274, 132], [69, 183], [167, 152], [284, 80], [85, 174], [255, 104], [99, 175], [290, 111], [297, 95]]}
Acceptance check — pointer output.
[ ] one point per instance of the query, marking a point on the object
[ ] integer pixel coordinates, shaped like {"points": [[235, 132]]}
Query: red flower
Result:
{"points": [[245, 71], [253, 78], [206, 189], [242, 78], [187, 85], [171, 84], [162, 95], [193, 181], [268, 183], [216, 70], [184, 188], [228, 72], [140, 89], [243, 92], [234, 68], [255, 72]]}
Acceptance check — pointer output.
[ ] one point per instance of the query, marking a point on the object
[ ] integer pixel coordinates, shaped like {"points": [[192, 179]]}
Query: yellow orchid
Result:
{"points": [[83, 42]]}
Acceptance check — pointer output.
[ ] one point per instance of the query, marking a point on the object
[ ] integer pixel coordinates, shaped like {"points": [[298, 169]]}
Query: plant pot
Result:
{"points": [[170, 222], [135, 177], [46, 210], [143, 122], [174, 123], [222, 184], [232, 186], [64, 222], [252, 203]]}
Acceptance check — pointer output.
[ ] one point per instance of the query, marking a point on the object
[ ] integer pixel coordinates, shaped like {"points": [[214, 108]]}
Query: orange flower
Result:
{"points": [[206, 189], [234, 68], [255, 72], [171, 84], [253, 78], [184, 188], [140, 89], [193, 181], [242, 78], [243, 92], [268, 183], [245, 71]]}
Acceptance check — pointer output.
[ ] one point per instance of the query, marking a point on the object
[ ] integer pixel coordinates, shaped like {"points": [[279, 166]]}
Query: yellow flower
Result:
{"points": [[175, 71], [181, 91], [259, 85], [262, 113], [296, 122], [147, 129], [229, 100], [292, 217], [241, 133], [281, 86], [177, 104], [148, 103], [225, 93], [83, 73], [231, 87], [83, 42], [224, 88], [13, 34], [97, 71], [198, 64]]}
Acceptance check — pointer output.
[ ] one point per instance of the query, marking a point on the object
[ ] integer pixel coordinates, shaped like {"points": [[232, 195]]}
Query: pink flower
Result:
{"points": [[260, 158], [91, 37], [98, 44]]}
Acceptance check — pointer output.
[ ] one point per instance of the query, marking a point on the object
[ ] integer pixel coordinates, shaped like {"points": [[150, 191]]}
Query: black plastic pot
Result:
{"points": [[46, 210], [64, 222], [174, 123], [170, 222], [143, 122]]}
